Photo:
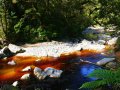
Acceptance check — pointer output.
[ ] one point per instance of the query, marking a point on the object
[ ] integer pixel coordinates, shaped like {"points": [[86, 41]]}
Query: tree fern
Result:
{"points": [[102, 74], [104, 77], [93, 84]]}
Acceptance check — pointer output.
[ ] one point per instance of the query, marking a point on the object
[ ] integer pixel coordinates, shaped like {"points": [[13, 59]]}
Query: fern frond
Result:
{"points": [[117, 75], [93, 84], [102, 74]]}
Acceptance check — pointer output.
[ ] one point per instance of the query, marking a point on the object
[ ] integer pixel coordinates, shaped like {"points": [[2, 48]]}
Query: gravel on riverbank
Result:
{"points": [[56, 48]]}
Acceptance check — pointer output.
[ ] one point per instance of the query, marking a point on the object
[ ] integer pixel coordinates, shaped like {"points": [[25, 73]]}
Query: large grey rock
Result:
{"points": [[38, 73], [53, 72], [5, 52], [15, 49], [104, 61], [49, 70], [10, 50]]}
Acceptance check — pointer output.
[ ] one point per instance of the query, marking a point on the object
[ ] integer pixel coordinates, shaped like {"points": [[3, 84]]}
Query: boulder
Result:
{"points": [[15, 49], [5, 52], [15, 83], [10, 50], [28, 68], [53, 72], [104, 61], [25, 77], [39, 73], [49, 70]]}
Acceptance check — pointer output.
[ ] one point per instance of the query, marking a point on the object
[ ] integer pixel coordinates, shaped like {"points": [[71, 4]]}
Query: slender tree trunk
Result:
{"points": [[5, 17], [1, 22]]}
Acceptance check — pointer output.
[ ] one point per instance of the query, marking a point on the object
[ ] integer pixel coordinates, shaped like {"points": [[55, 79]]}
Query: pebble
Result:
{"points": [[25, 77], [15, 83]]}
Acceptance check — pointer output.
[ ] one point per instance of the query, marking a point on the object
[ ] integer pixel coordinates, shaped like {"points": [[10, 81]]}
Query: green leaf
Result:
{"points": [[28, 10], [93, 84], [102, 74]]}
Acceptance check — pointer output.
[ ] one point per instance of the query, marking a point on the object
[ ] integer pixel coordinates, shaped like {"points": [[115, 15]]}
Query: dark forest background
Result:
{"points": [[45, 20]]}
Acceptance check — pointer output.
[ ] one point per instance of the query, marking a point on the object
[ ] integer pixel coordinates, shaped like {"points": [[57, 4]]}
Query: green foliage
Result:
{"points": [[9, 87], [91, 36], [34, 20], [93, 84], [104, 77]]}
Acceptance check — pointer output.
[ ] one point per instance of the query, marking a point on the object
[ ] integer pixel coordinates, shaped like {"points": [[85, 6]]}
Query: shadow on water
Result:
{"points": [[80, 74]]}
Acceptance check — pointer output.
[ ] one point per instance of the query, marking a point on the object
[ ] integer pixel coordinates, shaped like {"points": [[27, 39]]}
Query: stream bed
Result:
{"points": [[74, 71]]}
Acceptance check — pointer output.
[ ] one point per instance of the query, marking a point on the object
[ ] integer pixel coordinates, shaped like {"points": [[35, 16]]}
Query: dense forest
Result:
{"points": [[50, 24], [45, 20]]}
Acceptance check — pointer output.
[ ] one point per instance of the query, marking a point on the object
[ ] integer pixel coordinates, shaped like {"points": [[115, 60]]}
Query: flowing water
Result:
{"points": [[74, 71]]}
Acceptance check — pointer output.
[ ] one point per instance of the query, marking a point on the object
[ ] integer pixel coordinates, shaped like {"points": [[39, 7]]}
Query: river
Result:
{"points": [[74, 71]]}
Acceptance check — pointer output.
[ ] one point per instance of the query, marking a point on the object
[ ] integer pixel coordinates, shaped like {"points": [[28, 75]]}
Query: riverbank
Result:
{"points": [[55, 48]]}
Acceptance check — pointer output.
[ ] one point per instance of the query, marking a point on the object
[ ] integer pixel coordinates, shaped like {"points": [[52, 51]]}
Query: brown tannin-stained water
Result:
{"points": [[73, 76]]}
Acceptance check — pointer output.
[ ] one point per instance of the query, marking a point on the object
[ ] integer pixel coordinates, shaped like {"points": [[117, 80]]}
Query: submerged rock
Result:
{"points": [[38, 60], [25, 77], [104, 61], [12, 62]]}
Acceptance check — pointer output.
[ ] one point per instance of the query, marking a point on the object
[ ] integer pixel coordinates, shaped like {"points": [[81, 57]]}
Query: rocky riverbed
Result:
{"points": [[53, 60]]}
